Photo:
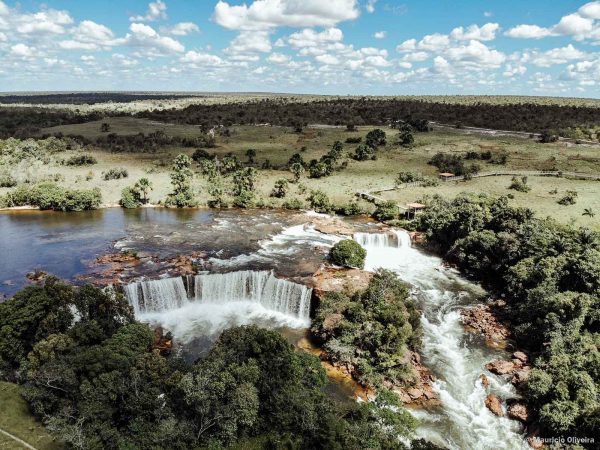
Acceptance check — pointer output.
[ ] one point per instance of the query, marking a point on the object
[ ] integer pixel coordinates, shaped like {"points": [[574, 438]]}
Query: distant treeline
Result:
{"points": [[26, 122], [373, 111], [89, 98]]}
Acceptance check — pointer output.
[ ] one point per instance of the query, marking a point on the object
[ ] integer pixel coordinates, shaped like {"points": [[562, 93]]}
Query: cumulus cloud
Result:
{"points": [[278, 58], [327, 59], [265, 14], [311, 38], [147, 39], [22, 51], [380, 34], [156, 10], [485, 33], [560, 55], [370, 6], [476, 53], [250, 42], [45, 22], [528, 32], [202, 59], [183, 29]]}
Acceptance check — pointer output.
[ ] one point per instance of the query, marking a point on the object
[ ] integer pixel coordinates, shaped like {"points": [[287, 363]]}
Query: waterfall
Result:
{"points": [[254, 286], [395, 239], [260, 287], [156, 295], [463, 421]]}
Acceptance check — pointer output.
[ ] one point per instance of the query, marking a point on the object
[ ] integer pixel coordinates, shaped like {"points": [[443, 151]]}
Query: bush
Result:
{"points": [[319, 201], [293, 203], [350, 209], [130, 198], [348, 253], [364, 152], [281, 188], [7, 180], [201, 154], [570, 198], [353, 140], [50, 196], [81, 160], [115, 174], [408, 177], [386, 211], [519, 184], [375, 138], [245, 199], [320, 169]]}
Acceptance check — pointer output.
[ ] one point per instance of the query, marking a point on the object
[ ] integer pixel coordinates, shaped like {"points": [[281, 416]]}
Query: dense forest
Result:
{"points": [[372, 111], [91, 373], [88, 98], [549, 275]]}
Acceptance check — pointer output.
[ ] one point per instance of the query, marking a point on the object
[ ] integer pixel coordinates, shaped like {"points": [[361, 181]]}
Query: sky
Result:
{"points": [[370, 47]]}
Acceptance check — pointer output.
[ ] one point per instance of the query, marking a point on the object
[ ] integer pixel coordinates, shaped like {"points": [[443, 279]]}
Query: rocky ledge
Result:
{"points": [[488, 320]]}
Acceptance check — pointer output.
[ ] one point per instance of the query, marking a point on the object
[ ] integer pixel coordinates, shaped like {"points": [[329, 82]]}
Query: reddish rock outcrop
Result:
{"points": [[484, 320], [38, 276], [485, 382], [330, 279], [500, 367], [494, 404], [519, 411]]}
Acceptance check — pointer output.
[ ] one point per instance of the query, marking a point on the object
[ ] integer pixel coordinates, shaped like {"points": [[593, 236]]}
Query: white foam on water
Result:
{"points": [[463, 422]]}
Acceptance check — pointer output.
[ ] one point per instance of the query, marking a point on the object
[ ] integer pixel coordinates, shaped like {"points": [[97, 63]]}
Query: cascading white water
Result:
{"points": [[377, 240], [463, 421], [156, 295], [206, 304], [262, 287]]}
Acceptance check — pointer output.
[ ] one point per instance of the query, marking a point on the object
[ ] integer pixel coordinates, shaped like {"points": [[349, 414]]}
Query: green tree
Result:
{"points": [[297, 169], [181, 179], [281, 188], [251, 154], [348, 253]]}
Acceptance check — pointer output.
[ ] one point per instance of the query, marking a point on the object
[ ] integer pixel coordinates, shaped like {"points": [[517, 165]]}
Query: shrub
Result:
{"points": [[129, 198], [348, 253], [386, 211], [81, 160], [320, 169], [293, 203], [50, 196], [115, 174], [375, 138], [570, 198], [245, 199], [519, 184], [319, 201], [7, 180], [200, 154], [408, 177], [350, 209], [353, 140], [281, 188], [364, 152]]}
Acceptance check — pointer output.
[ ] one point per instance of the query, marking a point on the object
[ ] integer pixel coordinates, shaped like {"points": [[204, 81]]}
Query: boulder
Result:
{"points": [[494, 404], [415, 393], [520, 356], [519, 411], [500, 367], [521, 375], [485, 382]]}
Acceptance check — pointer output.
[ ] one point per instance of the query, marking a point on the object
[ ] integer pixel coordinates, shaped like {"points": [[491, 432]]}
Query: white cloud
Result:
{"points": [[145, 37], [250, 42], [310, 38], [370, 6], [476, 53], [574, 24], [204, 59], [511, 70], [3, 8], [488, 14], [48, 21], [590, 10], [434, 42], [183, 29], [380, 34], [407, 46], [560, 55], [278, 58], [440, 65], [416, 57], [528, 32], [156, 10], [327, 59], [70, 44], [22, 51], [485, 33], [265, 14]]}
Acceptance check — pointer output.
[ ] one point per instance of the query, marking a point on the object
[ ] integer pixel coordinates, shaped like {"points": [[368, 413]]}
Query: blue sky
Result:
{"points": [[388, 47]]}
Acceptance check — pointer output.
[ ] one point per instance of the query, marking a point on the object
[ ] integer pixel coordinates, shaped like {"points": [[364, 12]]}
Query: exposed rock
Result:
{"points": [[330, 322], [417, 237], [332, 225], [482, 319], [185, 264], [500, 367], [521, 375], [494, 404], [415, 393], [163, 341], [519, 411], [37, 276], [520, 356], [330, 279], [485, 382]]}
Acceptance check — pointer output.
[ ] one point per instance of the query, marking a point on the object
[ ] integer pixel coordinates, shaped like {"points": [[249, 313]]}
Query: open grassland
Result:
{"points": [[278, 144], [16, 420]]}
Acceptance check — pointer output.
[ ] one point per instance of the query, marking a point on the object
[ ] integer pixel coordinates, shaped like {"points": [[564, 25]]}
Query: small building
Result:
{"points": [[412, 209], [445, 176]]}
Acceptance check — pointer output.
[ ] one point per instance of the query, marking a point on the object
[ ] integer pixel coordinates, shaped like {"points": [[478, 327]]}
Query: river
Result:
{"points": [[255, 265]]}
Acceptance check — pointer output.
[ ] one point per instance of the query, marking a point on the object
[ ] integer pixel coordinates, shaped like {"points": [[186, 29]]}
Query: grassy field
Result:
{"points": [[278, 144], [16, 419]]}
